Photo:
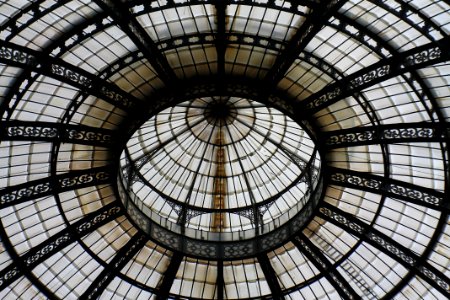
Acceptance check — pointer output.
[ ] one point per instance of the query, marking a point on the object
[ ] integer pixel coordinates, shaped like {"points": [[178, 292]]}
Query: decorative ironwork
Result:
{"points": [[387, 245], [390, 187], [56, 243], [66, 133], [422, 56], [11, 55], [39, 188], [58, 69], [419, 132]]}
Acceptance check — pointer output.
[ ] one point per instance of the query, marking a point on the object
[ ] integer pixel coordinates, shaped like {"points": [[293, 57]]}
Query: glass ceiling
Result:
{"points": [[271, 149]]}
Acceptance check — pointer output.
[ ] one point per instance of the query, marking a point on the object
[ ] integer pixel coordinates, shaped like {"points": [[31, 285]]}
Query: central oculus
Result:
{"points": [[220, 168]]}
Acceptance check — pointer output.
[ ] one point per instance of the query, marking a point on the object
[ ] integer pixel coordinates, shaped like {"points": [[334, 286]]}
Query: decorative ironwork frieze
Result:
{"points": [[390, 187], [57, 242], [43, 187], [52, 132], [23, 57], [387, 245], [397, 133], [422, 56]]}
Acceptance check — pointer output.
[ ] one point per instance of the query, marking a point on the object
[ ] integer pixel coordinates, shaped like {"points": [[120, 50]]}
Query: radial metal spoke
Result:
{"points": [[387, 134], [398, 64], [122, 257], [72, 180], [59, 241], [271, 278], [314, 254], [322, 11], [220, 39], [52, 132], [23, 57], [398, 252], [169, 276], [121, 14], [389, 187]]}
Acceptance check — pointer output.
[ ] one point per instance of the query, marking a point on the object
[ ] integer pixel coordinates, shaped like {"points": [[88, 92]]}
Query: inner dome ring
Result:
{"points": [[209, 169]]}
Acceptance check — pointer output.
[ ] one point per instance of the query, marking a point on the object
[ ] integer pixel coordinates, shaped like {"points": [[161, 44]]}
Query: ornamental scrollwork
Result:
{"points": [[423, 56], [342, 220], [47, 249], [414, 194], [15, 55], [397, 133], [10, 274], [370, 76], [393, 249], [26, 192], [431, 275], [71, 75], [31, 131]]}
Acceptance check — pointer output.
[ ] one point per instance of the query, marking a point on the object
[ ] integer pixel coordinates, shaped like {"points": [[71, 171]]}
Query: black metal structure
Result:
{"points": [[226, 149]]}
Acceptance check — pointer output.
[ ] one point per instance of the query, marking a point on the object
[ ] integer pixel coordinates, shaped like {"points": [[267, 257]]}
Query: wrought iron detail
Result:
{"points": [[398, 64], [60, 70], [39, 188], [56, 243], [388, 246], [419, 132], [43, 131], [393, 188]]}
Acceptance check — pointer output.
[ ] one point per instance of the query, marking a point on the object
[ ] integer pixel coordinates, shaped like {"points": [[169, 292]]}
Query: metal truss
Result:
{"points": [[169, 276], [122, 257], [314, 254], [422, 56], [417, 264], [72, 180], [58, 69], [120, 13], [386, 134], [57, 242], [389, 187], [57, 132], [322, 11]]}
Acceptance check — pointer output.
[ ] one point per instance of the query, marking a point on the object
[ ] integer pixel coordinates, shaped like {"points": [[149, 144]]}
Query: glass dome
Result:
{"points": [[240, 149]]}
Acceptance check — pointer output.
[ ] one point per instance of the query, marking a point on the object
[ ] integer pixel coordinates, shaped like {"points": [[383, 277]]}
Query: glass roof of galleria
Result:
{"points": [[227, 149]]}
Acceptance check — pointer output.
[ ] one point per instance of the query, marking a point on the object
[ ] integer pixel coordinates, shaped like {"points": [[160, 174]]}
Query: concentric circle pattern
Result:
{"points": [[224, 149]]}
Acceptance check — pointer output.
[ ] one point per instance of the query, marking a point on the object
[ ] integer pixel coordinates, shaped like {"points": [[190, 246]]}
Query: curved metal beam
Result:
{"points": [[122, 257], [57, 242], [121, 14], [417, 264], [389, 187], [13, 195], [322, 11], [169, 276], [314, 254], [271, 278]]}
